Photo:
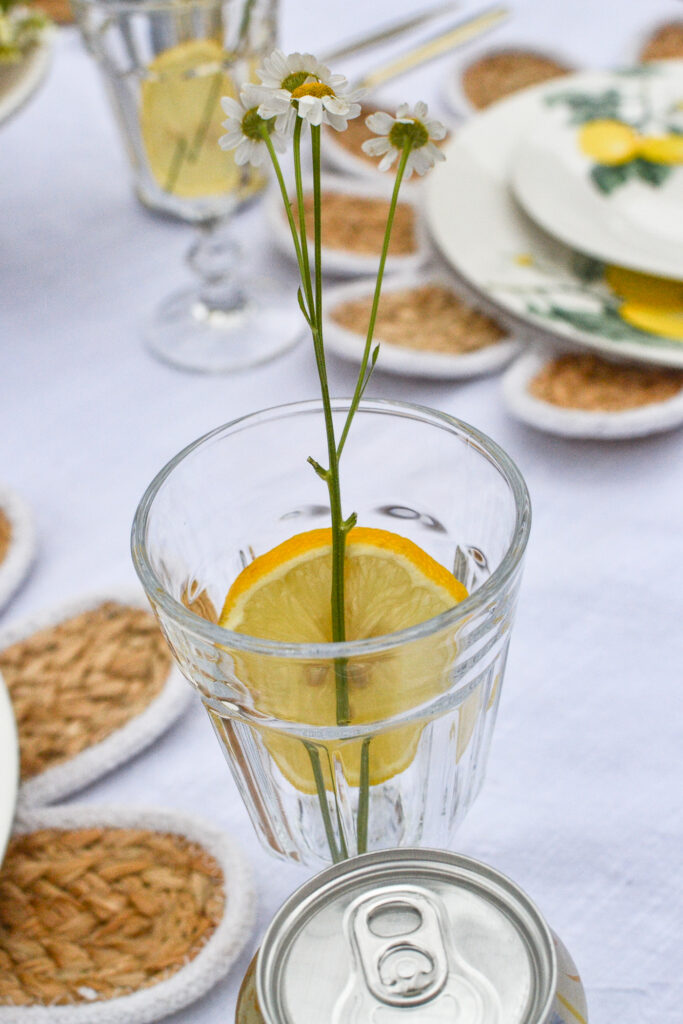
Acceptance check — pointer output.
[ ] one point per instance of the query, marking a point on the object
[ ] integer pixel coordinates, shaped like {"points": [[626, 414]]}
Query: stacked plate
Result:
{"points": [[561, 208]]}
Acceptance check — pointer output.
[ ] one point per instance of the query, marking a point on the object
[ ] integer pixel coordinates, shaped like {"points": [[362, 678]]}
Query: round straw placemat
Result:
{"points": [[91, 684], [116, 916], [17, 542]]}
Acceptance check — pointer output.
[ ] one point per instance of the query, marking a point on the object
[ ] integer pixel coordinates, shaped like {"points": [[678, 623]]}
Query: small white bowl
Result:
{"points": [[452, 87], [405, 361], [338, 261], [579, 423]]}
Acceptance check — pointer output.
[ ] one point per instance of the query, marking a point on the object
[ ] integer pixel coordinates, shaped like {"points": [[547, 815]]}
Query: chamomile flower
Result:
{"points": [[244, 127], [298, 85], [409, 126]]}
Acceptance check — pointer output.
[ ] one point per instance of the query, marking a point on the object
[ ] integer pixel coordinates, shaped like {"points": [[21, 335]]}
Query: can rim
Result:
{"points": [[488, 882]]}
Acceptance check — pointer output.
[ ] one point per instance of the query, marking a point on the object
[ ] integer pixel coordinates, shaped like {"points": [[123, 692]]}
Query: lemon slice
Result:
{"points": [[181, 120], [284, 595]]}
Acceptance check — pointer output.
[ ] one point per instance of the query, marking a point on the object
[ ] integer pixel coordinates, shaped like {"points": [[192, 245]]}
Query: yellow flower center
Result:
{"points": [[318, 89]]}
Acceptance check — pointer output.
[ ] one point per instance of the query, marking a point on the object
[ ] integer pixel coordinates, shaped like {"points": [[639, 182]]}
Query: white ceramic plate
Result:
{"points": [[18, 82], [629, 213], [546, 289], [405, 361], [9, 766], [341, 262], [580, 423]]}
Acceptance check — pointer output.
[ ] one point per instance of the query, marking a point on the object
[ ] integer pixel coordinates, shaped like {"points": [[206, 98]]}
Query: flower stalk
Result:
{"points": [[298, 91]]}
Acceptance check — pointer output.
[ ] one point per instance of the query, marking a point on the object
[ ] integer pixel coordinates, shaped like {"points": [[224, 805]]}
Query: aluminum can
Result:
{"points": [[411, 937]]}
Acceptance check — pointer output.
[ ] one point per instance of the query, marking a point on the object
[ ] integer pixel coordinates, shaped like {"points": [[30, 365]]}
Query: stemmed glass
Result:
{"points": [[166, 65]]}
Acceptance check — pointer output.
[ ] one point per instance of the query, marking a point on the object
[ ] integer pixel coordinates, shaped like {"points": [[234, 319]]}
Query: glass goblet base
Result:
{"points": [[194, 334]]}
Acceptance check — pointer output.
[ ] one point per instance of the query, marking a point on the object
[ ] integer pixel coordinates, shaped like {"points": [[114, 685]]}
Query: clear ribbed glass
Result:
{"points": [[423, 700]]}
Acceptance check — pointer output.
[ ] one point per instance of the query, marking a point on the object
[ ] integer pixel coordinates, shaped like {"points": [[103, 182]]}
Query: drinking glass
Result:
{"points": [[166, 65], [423, 700]]}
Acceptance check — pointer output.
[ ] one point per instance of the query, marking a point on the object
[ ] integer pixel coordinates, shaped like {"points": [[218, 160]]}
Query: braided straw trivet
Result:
{"points": [[59, 11], [424, 325], [91, 684], [112, 916], [17, 542]]}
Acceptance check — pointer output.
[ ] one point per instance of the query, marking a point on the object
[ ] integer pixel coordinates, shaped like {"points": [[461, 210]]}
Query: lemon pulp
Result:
{"points": [[390, 584], [181, 122]]}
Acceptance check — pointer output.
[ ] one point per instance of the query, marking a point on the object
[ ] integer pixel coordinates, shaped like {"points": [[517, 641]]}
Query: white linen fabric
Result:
{"points": [[582, 804]]}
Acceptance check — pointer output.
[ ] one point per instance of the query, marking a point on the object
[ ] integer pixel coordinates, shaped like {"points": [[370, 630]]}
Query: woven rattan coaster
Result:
{"points": [[111, 916], [503, 72], [17, 542], [666, 43], [59, 11], [91, 684]]}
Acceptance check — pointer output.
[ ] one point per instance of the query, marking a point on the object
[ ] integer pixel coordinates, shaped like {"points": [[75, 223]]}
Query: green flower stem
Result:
{"points": [[176, 164], [285, 197], [335, 853], [305, 263], [362, 381], [205, 122], [363, 797], [339, 527]]}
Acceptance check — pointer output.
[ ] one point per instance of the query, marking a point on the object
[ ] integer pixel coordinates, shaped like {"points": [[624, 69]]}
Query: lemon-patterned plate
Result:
{"points": [[543, 287], [601, 166]]}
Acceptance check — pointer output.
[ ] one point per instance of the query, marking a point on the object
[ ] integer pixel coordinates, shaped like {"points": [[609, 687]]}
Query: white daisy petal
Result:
{"points": [[435, 152], [386, 161], [231, 138], [403, 111], [435, 129], [311, 110], [380, 123], [335, 104], [232, 108], [377, 147], [420, 110]]}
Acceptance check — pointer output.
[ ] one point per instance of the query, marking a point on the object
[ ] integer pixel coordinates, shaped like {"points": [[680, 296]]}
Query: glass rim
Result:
{"points": [[203, 629]]}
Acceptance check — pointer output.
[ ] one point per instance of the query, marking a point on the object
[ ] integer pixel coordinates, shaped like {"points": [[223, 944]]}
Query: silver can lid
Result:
{"points": [[407, 937]]}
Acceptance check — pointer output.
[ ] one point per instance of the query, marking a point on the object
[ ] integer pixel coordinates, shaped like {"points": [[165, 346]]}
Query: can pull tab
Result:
{"points": [[401, 949], [404, 967]]}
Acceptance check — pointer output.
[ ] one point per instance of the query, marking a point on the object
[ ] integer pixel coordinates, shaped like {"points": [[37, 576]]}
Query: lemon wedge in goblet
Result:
{"points": [[181, 120]]}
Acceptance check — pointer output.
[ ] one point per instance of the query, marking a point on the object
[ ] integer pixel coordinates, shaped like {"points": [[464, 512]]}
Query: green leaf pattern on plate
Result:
{"points": [[608, 105]]}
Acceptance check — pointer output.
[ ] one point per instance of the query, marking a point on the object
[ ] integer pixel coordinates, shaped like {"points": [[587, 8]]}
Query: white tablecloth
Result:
{"points": [[582, 805]]}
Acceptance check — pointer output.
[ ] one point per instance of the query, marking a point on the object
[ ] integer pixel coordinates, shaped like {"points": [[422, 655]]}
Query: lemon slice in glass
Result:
{"points": [[181, 120], [391, 584]]}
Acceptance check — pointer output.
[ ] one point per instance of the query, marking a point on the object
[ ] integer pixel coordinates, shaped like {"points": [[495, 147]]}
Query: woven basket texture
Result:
{"points": [[75, 683], [5, 535], [97, 913]]}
